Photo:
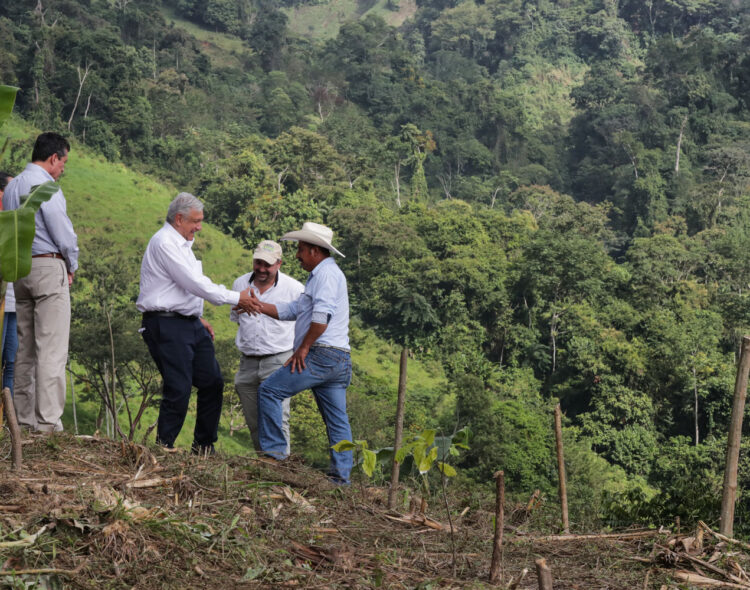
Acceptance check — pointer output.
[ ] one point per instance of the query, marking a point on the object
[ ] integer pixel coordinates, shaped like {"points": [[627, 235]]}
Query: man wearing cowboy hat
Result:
{"points": [[265, 343], [321, 360]]}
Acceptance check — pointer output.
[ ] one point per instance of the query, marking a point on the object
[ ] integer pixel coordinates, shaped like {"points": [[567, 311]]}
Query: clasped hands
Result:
{"points": [[249, 303]]}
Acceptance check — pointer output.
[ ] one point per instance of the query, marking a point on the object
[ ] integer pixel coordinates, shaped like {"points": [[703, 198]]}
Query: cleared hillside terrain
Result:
{"points": [[87, 512]]}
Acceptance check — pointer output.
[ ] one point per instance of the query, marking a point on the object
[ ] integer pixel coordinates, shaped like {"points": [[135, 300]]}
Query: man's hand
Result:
{"points": [[70, 278], [248, 303], [298, 359], [208, 327]]}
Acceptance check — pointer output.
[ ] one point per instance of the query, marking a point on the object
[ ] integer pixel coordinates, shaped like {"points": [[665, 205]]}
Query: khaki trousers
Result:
{"points": [[252, 372], [43, 313]]}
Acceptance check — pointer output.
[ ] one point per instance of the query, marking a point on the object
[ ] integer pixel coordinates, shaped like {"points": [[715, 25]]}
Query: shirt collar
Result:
{"points": [[326, 260], [37, 169], [176, 237]]}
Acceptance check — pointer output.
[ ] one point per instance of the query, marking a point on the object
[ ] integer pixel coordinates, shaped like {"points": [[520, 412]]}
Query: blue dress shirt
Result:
{"points": [[54, 230], [325, 301]]}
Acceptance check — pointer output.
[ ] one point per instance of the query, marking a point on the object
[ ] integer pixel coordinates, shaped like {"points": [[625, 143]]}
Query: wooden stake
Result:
{"points": [[561, 470], [15, 431], [399, 427], [543, 574], [496, 569], [733, 443]]}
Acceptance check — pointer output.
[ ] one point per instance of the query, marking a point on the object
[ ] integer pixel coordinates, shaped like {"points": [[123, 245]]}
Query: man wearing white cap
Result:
{"points": [[265, 343], [321, 360]]}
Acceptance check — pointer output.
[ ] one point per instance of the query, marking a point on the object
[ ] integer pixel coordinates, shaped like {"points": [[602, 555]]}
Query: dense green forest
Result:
{"points": [[548, 200]]}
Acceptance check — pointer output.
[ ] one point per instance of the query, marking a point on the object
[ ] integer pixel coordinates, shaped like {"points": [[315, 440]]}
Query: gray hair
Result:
{"points": [[183, 203]]}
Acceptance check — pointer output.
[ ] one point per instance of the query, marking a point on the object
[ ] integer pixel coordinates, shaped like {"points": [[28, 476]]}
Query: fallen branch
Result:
{"points": [[29, 540], [42, 571], [721, 537], [512, 585], [711, 567], [684, 576], [634, 535], [420, 520], [12, 508], [152, 483]]}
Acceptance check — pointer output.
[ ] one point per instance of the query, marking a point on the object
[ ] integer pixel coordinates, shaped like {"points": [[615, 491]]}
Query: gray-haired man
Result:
{"points": [[265, 343], [180, 341]]}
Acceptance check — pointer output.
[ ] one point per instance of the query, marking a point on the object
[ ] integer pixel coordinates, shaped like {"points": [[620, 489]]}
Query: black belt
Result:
{"points": [[263, 356], [169, 314]]}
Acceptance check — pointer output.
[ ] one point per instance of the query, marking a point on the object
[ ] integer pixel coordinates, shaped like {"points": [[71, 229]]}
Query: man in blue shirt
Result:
{"points": [[43, 296], [321, 360]]}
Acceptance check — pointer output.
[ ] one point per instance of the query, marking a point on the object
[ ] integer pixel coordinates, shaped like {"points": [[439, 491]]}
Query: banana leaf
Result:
{"points": [[17, 229], [7, 100]]}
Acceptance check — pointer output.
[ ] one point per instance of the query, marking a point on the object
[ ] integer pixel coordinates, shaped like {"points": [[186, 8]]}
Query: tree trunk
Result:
{"points": [[695, 405], [733, 443], [399, 426], [679, 144], [561, 470], [81, 82], [543, 574], [496, 568], [15, 431]]}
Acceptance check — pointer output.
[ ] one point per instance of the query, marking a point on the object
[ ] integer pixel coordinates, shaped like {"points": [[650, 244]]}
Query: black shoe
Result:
{"points": [[202, 450]]}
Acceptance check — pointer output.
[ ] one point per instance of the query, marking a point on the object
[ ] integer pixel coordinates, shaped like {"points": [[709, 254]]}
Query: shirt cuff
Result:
{"points": [[320, 317], [283, 310]]}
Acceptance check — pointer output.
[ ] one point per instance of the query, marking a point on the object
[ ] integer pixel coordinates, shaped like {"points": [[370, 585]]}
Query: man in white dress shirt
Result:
{"points": [[180, 341], [43, 296], [265, 343]]}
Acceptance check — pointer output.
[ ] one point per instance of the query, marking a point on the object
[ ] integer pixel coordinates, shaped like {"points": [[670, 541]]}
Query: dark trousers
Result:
{"points": [[184, 353]]}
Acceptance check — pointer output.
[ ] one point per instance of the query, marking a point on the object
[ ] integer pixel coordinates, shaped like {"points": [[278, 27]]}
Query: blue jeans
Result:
{"points": [[9, 347], [328, 373]]}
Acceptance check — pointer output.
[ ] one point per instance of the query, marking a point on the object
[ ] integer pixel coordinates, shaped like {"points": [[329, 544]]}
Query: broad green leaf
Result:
{"points": [[426, 463], [461, 438], [401, 454], [448, 470], [7, 100], [419, 453], [361, 443], [385, 455], [344, 445], [17, 229], [39, 194], [368, 465], [429, 437]]}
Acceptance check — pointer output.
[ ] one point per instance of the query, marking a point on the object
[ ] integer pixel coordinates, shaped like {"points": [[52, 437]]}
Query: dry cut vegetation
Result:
{"points": [[89, 512]]}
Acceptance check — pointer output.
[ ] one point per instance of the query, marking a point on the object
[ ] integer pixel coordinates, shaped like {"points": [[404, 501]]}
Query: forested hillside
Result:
{"points": [[547, 200]]}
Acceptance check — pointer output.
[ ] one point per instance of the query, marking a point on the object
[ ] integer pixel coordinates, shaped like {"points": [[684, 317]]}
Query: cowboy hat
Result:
{"points": [[313, 233]]}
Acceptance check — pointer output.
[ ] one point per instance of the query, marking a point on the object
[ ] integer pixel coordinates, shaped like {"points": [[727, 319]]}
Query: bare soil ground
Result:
{"points": [[87, 512]]}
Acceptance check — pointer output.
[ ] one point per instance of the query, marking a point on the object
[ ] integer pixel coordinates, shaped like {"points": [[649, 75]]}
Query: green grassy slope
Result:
{"points": [[222, 48], [112, 200], [322, 21]]}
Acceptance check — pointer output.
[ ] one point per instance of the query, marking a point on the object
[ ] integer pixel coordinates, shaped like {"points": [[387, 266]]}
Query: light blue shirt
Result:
{"points": [[325, 301], [54, 230]]}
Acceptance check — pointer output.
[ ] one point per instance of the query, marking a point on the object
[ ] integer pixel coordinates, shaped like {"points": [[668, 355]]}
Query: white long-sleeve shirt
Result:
{"points": [[259, 334], [172, 277]]}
